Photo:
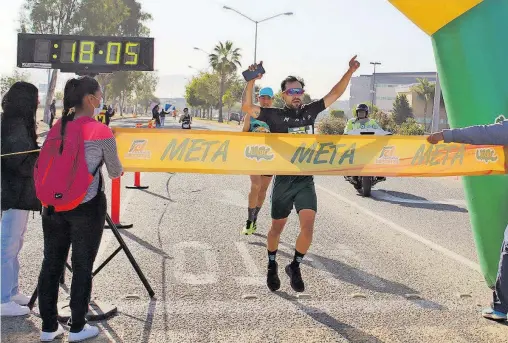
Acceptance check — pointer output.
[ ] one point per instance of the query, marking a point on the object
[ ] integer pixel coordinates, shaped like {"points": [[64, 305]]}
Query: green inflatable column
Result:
{"points": [[472, 58]]}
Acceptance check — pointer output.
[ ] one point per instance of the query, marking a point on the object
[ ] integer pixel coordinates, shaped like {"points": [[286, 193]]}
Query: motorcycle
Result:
{"points": [[186, 124], [364, 184]]}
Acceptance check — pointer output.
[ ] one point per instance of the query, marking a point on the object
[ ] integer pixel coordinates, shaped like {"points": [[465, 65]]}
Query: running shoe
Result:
{"points": [[493, 315], [272, 278], [250, 228], [296, 278]]}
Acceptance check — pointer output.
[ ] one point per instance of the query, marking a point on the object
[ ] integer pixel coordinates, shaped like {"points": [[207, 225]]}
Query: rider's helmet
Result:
{"points": [[362, 107]]}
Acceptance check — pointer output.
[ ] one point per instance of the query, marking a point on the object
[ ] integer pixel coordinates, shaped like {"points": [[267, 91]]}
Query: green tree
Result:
{"points": [[426, 91], [224, 61], [7, 81], [236, 87], [401, 109], [135, 23], [50, 16], [385, 121], [229, 100], [331, 126], [338, 114], [59, 95], [144, 88], [306, 98], [411, 128], [191, 94], [101, 18]]}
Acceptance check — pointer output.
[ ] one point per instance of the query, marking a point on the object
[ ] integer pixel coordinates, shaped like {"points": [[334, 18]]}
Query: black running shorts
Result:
{"points": [[292, 191]]}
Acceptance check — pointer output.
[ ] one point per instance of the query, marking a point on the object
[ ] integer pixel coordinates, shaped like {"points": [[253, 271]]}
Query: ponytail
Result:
{"points": [[67, 116], [74, 91]]}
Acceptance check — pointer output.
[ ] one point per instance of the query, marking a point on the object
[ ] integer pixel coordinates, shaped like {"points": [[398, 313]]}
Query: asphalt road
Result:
{"points": [[398, 267]]}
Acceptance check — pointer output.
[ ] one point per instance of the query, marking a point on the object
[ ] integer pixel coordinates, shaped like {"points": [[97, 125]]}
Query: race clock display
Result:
{"points": [[85, 53]]}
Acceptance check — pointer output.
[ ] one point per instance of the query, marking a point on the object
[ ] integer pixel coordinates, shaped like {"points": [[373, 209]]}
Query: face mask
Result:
{"points": [[98, 109]]}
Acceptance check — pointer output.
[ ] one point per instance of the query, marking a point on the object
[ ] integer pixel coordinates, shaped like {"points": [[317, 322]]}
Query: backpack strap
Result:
{"points": [[97, 170]]}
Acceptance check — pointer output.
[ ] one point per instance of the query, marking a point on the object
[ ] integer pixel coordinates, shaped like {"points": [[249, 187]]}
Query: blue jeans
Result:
{"points": [[14, 223], [500, 294]]}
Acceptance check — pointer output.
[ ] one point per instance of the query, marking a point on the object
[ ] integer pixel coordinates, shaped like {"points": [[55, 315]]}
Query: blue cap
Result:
{"points": [[266, 91]]}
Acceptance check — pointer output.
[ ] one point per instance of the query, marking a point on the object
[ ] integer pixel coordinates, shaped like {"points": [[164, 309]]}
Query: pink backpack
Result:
{"points": [[61, 177]]}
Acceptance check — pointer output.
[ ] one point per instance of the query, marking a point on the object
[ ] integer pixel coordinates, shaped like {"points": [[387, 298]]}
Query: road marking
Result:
{"points": [[255, 277], [448, 253], [195, 279], [382, 195]]}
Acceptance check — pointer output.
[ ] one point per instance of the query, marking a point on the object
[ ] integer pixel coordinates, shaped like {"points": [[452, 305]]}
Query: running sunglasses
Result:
{"points": [[294, 91], [266, 97]]}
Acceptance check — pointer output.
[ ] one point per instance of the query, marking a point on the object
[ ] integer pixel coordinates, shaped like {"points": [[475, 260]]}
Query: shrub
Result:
{"points": [[331, 126], [411, 128]]}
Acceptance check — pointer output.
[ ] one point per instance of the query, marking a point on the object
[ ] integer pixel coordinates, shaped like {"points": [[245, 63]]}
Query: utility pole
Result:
{"points": [[437, 105], [374, 84]]}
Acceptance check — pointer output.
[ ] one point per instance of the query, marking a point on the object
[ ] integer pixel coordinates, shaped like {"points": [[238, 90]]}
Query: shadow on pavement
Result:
{"points": [[157, 195], [350, 333], [428, 206], [145, 244], [346, 273]]}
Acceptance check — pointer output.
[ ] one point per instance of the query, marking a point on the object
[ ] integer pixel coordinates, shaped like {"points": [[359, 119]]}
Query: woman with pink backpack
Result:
{"points": [[70, 186]]}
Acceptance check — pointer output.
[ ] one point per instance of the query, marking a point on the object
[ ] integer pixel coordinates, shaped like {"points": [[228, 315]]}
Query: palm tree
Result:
{"points": [[224, 61], [426, 90]]}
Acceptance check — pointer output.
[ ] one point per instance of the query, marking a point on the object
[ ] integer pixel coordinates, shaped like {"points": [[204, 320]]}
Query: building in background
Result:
{"points": [[361, 89], [417, 103]]}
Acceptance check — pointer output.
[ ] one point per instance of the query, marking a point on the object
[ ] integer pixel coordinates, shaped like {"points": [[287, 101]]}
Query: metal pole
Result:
{"points": [[374, 88], [437, 105], [256, 43]]}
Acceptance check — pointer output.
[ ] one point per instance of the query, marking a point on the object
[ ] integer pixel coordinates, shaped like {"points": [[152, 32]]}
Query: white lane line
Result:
{"points": [[255, 277], [179, 263], [448, 253], [382, 195]]}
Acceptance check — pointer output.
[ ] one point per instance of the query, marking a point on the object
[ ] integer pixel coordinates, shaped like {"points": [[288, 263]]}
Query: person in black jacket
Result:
{"points": [[19, 106], [109, 114], [52, 112], [156, 115]]}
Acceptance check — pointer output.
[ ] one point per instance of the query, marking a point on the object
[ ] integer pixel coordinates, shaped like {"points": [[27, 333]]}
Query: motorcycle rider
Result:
{"points": [[361, 120], [186, 117]]}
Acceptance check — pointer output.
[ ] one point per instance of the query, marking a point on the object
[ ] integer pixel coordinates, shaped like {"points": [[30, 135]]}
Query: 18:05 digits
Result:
{"points": [[86, 53]]}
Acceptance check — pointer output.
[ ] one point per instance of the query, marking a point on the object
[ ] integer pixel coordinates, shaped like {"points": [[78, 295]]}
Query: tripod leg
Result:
{"points": [[129, 256], [31, 303]]}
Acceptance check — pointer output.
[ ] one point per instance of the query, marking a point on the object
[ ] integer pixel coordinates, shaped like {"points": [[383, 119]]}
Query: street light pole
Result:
{"points": [[374, 83], [256, 43], [437, 105], [199, 49], [256, 22]]}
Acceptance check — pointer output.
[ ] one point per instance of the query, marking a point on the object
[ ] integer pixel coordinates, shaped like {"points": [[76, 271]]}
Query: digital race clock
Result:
{"points": [[80, 54]]}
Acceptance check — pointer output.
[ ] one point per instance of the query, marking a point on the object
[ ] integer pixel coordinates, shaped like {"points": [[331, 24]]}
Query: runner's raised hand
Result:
{"points": [[354, 64]]}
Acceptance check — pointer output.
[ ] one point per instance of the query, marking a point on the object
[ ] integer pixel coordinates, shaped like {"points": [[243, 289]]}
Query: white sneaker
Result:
{"points": [[50, 336], [87, 332], [11, 309], [20, 299]]}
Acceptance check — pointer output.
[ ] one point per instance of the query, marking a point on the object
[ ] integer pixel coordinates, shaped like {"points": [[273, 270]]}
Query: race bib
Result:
{"points": [[301, 130]]}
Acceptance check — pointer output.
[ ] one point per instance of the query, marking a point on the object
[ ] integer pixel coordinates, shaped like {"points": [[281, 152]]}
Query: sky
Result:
{"points": [[315, 43]]}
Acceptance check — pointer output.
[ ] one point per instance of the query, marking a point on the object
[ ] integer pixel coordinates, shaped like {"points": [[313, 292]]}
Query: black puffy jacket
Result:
{"points": [[18, 187]]}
